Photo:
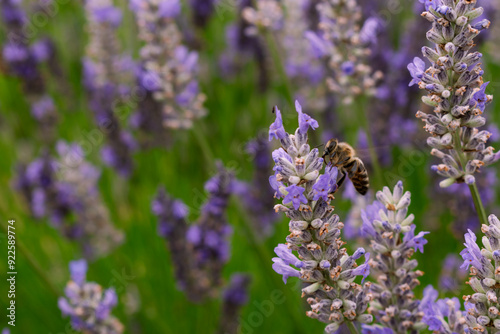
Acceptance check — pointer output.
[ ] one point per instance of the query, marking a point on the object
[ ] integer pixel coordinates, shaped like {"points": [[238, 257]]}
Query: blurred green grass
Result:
{"points": [[237, 111]]}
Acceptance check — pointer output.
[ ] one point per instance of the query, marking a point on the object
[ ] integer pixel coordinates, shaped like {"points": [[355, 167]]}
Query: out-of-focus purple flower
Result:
{"points": [[203, 10], [64, 190], [452, 277], [88, 306], [168, 72], [343, 42], [234, 297], [200, 251]]}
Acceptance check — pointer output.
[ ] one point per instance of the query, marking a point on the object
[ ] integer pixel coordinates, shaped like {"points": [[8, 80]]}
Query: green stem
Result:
{"points": [[476, 197], [32, 262], [352, 328], [202, 141], [278, 63], [478, 203], [363, 115]]}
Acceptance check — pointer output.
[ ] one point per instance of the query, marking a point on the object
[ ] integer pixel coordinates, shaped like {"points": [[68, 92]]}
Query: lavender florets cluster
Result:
{"points": [[64, 190], [23, 60], [323, 265], [234, 297], [343, 42], [455, 89], [88, 306], [393, 242], [168, 71], [483, 306], [199, 250], [106, 75], [443, 316]]}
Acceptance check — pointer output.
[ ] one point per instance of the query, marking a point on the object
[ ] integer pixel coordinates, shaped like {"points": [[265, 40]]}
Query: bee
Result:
{"points": [[343, 156]]}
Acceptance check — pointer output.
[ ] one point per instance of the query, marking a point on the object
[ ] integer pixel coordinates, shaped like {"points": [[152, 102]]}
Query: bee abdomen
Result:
{"points": [[359, 176]]}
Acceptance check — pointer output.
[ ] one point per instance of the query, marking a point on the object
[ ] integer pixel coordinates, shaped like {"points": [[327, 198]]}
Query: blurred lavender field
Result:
{"points": [[163, 162]]}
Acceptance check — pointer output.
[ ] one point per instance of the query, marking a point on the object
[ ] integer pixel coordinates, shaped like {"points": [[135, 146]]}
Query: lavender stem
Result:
{"points": [[478, 203], [352, 327], [476, 197], [32, 262]]}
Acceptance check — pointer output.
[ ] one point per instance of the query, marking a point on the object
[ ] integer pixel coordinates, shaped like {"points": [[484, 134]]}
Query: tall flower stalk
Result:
{"points": [[457, 93], [200, 250], [23, 60], [393, 242], [168, 71], [106, 75], [64, 190], [234, 297], [343, 42], [323, 265]]}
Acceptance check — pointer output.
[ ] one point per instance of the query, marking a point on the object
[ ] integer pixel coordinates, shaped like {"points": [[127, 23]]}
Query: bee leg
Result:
{"points": [[341, 181]]}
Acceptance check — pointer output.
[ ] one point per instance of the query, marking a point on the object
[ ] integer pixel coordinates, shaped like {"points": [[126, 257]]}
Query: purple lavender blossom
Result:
{"points": [[452, 277], [23, 62], [173, 99], [482, 306], [343, 42], [200, 250], [234, 297], [88, 306], [256, 195], [64, 191], [104, 80], [393, 243], [315, 232], [203, 10], [242, 47], [443, 315], [458, 101]]}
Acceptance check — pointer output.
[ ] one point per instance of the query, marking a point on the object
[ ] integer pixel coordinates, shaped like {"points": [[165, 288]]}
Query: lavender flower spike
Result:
{"points": [[325, 268], [105, 78], [88, 306], [235, 296], [443, 316], [393, 242], [483, 307], [456, 91], [107, 73], [169, 69], [64, 190], [344, 45], [201, 250]]}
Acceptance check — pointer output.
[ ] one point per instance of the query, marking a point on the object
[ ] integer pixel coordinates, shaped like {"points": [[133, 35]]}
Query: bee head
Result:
{"points": [[330, 147]]}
